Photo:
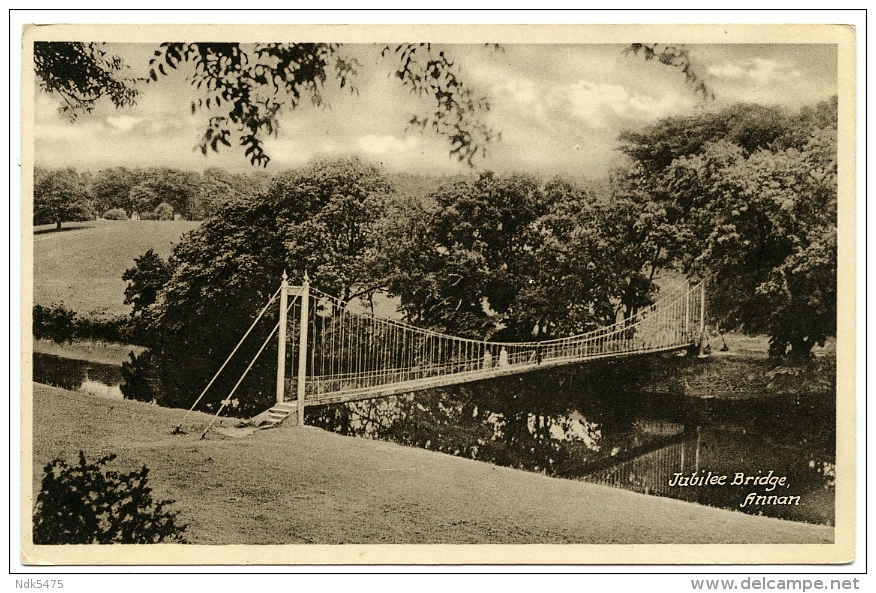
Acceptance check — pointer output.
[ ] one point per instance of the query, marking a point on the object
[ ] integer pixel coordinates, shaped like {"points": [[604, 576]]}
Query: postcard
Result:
{"points": [[317, 295]]}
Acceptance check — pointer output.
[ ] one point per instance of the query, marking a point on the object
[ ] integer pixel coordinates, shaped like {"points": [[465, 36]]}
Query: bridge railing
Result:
{"points": [[350, 349]]}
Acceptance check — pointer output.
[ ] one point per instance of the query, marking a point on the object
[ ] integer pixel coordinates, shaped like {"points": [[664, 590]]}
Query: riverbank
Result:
{"points": [[305, 485], [92, 351], [745, 371]]}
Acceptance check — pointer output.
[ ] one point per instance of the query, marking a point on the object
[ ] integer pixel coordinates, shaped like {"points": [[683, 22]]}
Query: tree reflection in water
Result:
{"points": [[590, 421]]}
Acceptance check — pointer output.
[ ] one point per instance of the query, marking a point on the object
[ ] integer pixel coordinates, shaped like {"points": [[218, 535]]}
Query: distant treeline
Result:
{"points": [[161, 193], [65, 195]]}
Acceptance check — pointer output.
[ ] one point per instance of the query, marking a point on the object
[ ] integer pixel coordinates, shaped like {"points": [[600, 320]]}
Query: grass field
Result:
{"points": [[83, 267], [304, 485]]}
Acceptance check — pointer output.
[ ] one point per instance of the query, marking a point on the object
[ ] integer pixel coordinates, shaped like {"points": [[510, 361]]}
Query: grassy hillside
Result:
{"points": [[83, 267], [304, 485]]}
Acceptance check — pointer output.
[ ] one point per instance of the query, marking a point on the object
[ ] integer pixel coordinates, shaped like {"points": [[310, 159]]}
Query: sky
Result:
{"points": [[559, 110]]}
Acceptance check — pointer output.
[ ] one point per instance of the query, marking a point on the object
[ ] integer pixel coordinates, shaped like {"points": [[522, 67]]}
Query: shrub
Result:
{"points": [[61, 324], [104, 327], [115, 214], [164, 211], [140, 379], [87, 504], [56, 323]]}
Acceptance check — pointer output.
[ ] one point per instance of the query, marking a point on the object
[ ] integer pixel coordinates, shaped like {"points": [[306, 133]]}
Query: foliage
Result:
{"points": [[164, 211], [330, 213], [142, 199], [516, 257], [81, 73], [218, 188], [115, 214], [148, 276], [111, 188], [459, 265], [431, 73], [177, 188], [249, 85], [322, 220], [140, 380], [105, 328], [56, 323], [88, 504], [61, 324], [60, 196], [193, 196], [748, 197], [676, 56]]}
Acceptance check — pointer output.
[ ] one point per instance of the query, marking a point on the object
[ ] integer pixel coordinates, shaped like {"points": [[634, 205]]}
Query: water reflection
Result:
{"points": [[593, 423], [78, 375]]}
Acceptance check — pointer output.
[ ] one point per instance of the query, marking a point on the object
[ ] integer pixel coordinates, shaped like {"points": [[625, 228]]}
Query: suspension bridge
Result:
{"points": [[331, 351]]}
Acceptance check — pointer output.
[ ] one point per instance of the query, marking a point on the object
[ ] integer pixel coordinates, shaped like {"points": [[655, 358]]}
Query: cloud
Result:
{"points": [[123, 123], [759, 69], [375, 145], [65, 131], [285, 152], [523, 92], [597, 103]]}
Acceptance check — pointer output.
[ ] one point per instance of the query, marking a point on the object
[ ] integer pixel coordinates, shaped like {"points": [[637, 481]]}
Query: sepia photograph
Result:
{"points": [[424, 294]]}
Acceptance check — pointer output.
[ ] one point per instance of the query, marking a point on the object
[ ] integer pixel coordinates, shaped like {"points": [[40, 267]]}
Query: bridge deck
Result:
{"points": [[459, 378]]}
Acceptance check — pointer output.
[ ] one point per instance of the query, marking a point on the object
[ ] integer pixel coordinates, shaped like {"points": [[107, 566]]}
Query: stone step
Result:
{"points": [[278, 413]]}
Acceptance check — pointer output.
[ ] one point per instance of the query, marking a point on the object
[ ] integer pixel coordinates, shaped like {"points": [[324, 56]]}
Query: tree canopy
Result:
{"points": [[320, 220], [518, 257], [61, 196], [748, 196]]}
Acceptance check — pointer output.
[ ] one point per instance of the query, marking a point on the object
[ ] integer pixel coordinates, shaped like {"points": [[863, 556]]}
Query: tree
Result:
{"points": [[748, 197], [515, 258], [321, 220], [56, 323], [148, 276], [141, 199], [60, 196], [164, 211], [331, 214], [461, 264], [111, 188], [177, 188], [218, 188]]}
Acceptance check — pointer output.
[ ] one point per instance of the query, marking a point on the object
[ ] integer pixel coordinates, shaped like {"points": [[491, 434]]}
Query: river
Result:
{"points": [[773, 455]]}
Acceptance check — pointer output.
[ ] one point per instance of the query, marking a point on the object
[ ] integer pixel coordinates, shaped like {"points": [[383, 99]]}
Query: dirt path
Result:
{"points": [[309, 486]]}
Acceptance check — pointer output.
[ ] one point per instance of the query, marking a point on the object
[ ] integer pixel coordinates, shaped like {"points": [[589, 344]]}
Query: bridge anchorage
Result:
{"points": [[344, 352]]}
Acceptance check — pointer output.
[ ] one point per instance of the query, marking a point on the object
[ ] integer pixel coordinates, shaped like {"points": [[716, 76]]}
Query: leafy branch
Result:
{"points": [[676, 56], [456, 108], [82, 73]]}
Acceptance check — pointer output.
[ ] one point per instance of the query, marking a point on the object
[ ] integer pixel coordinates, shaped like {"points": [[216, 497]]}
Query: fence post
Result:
{"points": [[302, 347], [281, 348]]}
